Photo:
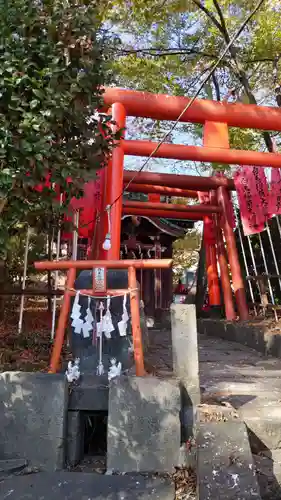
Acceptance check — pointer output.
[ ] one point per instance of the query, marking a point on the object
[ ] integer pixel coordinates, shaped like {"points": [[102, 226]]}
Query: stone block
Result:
{"points": [[225, 467], [143, 425], [33, 410], [75, 438], [259, 336], [78, 485], [185, 346]]}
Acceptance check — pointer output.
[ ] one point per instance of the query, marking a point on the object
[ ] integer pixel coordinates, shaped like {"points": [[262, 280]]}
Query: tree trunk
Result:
{"points": [[237, 68], [242, 76]]}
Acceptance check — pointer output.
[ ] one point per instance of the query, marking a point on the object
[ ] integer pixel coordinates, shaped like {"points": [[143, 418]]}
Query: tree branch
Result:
{"points": [[157, 52], [210, 15], [167, 52], [223, 25], [217, 87], [238, 70]]}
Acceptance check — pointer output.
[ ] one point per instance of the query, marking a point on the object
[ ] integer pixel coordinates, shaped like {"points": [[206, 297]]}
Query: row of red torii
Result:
{"points": [[216, 117]]}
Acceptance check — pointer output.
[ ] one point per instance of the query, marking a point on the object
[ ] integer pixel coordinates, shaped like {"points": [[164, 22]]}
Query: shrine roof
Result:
{"points": [[172, 227]]}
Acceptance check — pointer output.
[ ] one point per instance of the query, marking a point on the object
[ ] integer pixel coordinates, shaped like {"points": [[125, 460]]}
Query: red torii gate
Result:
{"points": [[216, 117]]}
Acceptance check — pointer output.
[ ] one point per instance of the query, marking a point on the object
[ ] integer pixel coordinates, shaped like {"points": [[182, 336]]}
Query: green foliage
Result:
{"points": [[52, 66], [15, 250], [169, 46], [135, 196], [185, 252]]}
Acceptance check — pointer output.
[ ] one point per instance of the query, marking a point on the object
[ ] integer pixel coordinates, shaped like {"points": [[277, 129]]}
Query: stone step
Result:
{"points": [[79, 485], [261, 412], [264, 424], [225, 466]]}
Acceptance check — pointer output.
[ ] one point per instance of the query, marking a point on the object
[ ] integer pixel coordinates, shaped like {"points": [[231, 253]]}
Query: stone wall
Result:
{"points": [[262, 335]]}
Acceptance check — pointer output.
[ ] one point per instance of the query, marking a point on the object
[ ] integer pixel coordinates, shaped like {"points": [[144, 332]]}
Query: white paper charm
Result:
{"points": [[86, 331], [107, 326], [77, 322], [125, 315], [122, 327], [77, 325], [88, 324], [76, 307]]}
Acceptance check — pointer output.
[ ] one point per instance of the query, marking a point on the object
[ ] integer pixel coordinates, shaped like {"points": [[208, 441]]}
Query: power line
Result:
{"points": [[189, 104]]}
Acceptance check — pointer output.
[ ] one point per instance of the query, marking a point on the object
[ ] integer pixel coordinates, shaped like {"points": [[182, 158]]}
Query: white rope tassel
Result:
{"points": [[100, 368]]}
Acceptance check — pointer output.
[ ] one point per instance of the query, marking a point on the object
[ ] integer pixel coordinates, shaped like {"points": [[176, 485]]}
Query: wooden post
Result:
{"points": [[238, 283], [211, 263], [215, 135], [136, 328], [114, 186], [223, 265]]}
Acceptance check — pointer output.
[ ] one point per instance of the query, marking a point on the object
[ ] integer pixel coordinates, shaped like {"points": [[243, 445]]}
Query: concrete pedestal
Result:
{"points": [[185, 348], [143, 425], [185, 364]]}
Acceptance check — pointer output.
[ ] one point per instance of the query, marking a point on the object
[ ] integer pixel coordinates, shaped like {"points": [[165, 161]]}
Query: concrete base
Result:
{"points": [[76, 485], [33, 410], [143, 425], [225, 467]]}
